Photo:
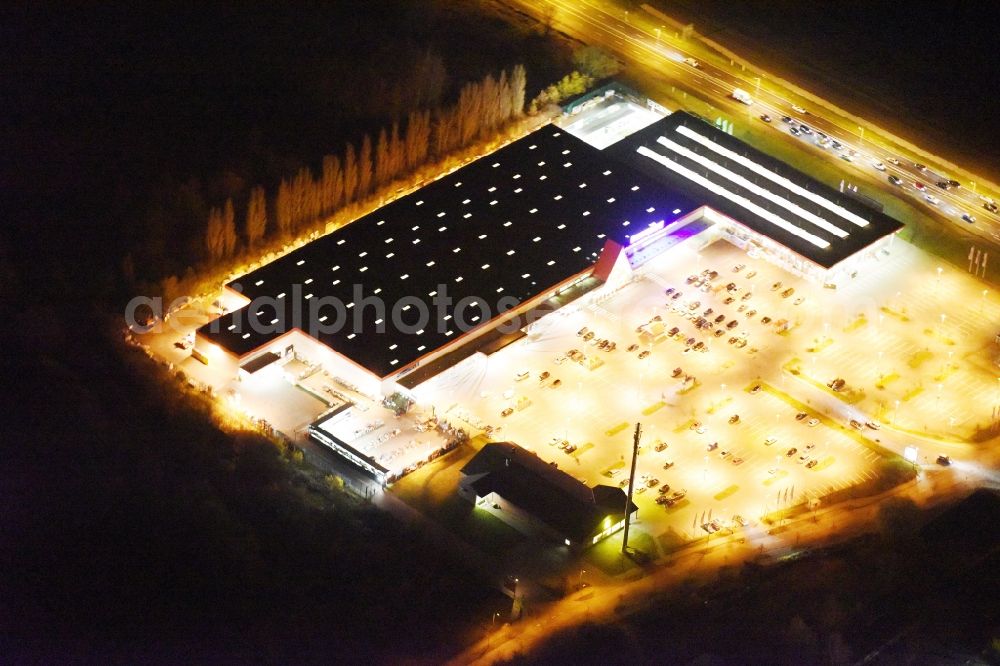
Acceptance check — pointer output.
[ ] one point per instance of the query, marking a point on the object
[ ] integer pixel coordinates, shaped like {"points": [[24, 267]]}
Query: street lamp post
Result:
{"points": [[757, 89], [862, 135]]}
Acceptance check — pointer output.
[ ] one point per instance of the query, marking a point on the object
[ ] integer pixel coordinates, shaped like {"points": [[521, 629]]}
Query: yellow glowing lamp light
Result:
{"points": [[607, 522]]}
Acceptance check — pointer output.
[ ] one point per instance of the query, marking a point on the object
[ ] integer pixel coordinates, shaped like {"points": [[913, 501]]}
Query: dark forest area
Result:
{"points": [[134, 529]]}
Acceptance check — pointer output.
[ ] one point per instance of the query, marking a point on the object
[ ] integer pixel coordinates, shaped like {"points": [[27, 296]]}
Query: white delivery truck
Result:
{"points": [[742, 96]]}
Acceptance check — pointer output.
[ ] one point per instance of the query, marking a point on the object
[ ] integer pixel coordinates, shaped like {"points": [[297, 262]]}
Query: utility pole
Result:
{"points": [[631, 484]]}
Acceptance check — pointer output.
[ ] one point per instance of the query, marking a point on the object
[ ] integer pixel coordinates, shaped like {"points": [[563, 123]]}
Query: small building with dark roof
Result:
{"points": [[536, 497]]}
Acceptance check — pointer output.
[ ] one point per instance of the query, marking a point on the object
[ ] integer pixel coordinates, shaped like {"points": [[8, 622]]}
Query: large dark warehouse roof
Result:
{"points": [[511, 224], [763, 193]]}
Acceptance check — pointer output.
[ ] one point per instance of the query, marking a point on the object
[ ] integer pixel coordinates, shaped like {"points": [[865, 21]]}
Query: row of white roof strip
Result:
{"points": [[732, 196], [773, 177]]}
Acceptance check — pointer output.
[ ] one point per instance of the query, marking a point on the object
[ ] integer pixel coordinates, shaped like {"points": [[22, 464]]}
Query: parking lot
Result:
{"points": [[685, 399]]}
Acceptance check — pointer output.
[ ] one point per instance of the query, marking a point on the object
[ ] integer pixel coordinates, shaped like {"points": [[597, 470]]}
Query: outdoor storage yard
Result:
{"points": [[731, 468]]}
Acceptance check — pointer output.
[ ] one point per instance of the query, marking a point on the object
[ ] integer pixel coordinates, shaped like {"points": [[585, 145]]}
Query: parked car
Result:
{"points": [[507, 411], [791, 452]]}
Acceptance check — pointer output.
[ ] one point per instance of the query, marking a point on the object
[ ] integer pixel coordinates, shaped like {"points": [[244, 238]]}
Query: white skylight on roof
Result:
{"points": [[406, 307], [485, 266], [420, 332], [447, 317], [459, 278], [336, 268], [420, 203], [378, 291], [542, 163], [576, 249], [341, 241], [773, 177], [650, 209], [404, 276], [421, 347], [494, 202], [441, 214], [496, 164], [457, 250], [510, 252], [634, 188], [600, 235], [536, 239], [231, 327], [274, 321], [583, 185], [476, 318], [300, 262], [550, 262], [467, 215], [676, 211], [429, 264], [394, 361], [532, 147], [308, 281], [611, 200], [377, 322], [586, 213], [458, 184], [542, 177], [393, 346], [380, 223], [625, 223], [556, 134], [362, 255], [246, 335], [516, 176], [499, 290], [517, 190], [449, 332], [350, 336], [754, 188], [416, 240], [533, 210], [415, 227], [432, 294], [259, 282], [389, 240], [442, 228], [493, 188], [362, 269], [557, 197], [561, 226], [281, 295], [466, 201], [566, 152], [507, 223], [568, 164], [526, 275], [608, 172], [482, 236], [735, 198], [336, 282], [390, 255], [323, 318], [308, 296], [349, 305]]}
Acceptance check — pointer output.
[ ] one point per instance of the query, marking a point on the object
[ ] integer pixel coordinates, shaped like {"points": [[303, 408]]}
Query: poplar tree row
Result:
{"points": [[482, 108]]}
